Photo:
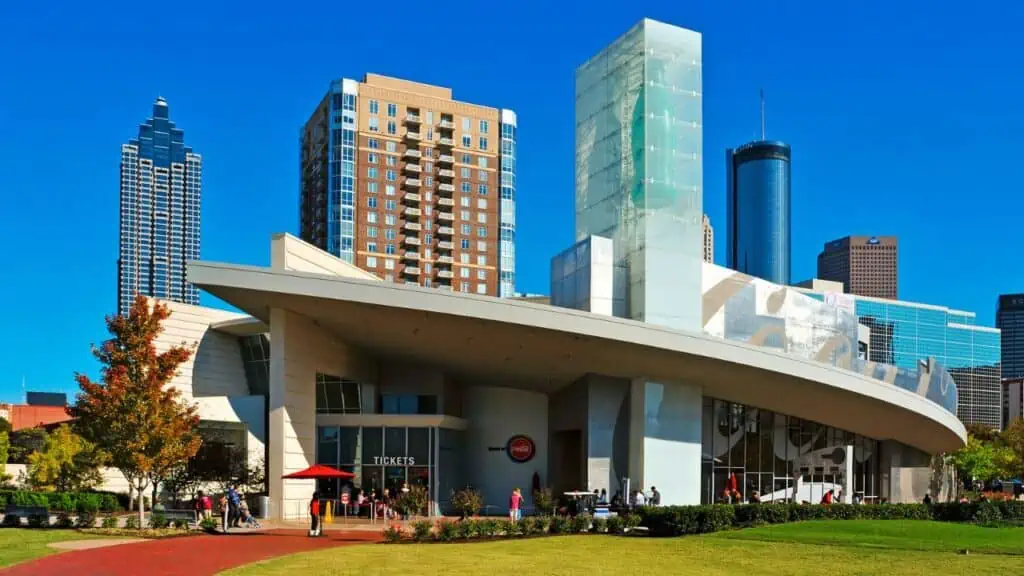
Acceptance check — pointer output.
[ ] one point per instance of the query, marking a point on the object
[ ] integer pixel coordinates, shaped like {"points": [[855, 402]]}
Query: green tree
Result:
{"points": [[978, 460], [5, 426], [1013, 437], [67, 462], [5, 445], [24, 442], [132, 412]]}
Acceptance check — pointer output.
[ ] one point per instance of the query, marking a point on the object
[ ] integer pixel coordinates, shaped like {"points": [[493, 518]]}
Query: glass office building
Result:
{"points": [[758, 210], [905, 333], [639, 179], [1010, 320], [161, 181]]}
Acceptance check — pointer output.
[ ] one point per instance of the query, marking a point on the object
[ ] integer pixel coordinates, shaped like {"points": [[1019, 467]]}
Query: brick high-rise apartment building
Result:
{"points": [[405, 182], [866, 265]]}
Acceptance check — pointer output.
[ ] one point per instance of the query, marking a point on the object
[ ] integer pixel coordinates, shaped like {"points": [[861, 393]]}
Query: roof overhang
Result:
{"points": [[520, 344]]}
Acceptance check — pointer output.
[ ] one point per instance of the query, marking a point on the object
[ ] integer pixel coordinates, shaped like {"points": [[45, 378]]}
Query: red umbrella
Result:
{"points": [[318, 472]]}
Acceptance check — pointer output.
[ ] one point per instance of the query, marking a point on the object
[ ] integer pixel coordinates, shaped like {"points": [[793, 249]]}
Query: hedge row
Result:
{"points": [[492, 528], [80, 502], [682, 520]]}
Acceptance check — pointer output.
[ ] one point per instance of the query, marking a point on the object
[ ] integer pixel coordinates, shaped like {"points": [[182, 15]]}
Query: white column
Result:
{"points": [[665, 440], [848, 483]]}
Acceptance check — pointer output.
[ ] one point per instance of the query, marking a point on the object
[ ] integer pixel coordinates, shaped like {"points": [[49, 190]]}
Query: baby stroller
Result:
{"points": [[249, 520]]}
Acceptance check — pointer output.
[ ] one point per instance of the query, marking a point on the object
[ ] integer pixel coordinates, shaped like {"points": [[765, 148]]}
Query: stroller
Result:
{"points": [[247, 517]]}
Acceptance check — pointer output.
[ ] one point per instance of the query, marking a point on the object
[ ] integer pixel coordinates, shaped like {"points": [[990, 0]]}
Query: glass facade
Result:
{"points": [[766, 452], [758, 210], [639, 178], [904, 333], [161, 182], [507, 240], [1010, 320]]}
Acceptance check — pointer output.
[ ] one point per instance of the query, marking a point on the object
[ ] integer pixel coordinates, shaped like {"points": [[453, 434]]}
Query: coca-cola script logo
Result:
{"points": [[520, 448]]}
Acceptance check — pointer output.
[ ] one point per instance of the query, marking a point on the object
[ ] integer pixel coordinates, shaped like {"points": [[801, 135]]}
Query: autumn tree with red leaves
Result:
{"points": [[132, 413]]}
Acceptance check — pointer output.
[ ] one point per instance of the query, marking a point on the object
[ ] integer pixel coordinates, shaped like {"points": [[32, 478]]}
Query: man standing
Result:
{"points": [[234, 507], [655, 497]]}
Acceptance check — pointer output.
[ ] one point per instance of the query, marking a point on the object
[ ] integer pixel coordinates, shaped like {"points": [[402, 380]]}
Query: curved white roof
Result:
{"points": [[521, 344]]}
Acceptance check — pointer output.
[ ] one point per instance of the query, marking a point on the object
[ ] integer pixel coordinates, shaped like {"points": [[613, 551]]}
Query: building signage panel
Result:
{"points": [[521, 448], [394, 461]]}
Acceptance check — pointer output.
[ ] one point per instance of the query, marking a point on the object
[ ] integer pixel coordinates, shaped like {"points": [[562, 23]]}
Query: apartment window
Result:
{"points": [[392, 128], [481, 274], [371, 187], [428, 167], [466, 123], [481, 288], [483, 143], [428, 267], [481, 232], [481, 217], [371, 261], [374, 107], [336, 395], [371, 231], [463, 272], [428, 196], [389, 249], [467, 229], [374, 124], [481, 175], [389, 219], [481, 203], [371, 247], [430, 136], [467, 141], [390, 176], [466, 187], [483, 126], [481, 260], [371, 201], [371, 217], [371, 157], [392, 160], [426, 253], [389, 204], [464, 258], [373, 143], [389, 189], [465, 243], [427, 282], [392, 110], [391, 146], [389, 233], [428, 181], [464, 201], [482, 190], [430, 117], [428, 152], [464, 286], [482, 161], [467, 159], [428, 239], [466, 173], [371, 172], [428, 210], [389, 264], [481, 246], [464, 215]]}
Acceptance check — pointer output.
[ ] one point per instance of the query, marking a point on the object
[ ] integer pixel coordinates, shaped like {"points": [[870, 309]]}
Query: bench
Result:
{"points": [[26, 511]]}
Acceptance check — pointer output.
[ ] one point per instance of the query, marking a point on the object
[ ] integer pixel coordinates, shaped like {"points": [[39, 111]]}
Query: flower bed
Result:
{"points": [[683, 520], [470, 529]]}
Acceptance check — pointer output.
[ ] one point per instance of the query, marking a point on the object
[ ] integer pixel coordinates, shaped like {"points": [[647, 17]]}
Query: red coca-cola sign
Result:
{"points": [[521, 448]]}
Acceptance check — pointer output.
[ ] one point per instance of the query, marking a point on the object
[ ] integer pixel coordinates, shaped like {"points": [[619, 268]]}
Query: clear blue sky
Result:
{"points": [[904, 118]]}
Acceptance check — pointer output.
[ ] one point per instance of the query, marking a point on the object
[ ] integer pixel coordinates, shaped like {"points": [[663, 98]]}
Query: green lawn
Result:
{"points": [[832, 548], [21, 544]]}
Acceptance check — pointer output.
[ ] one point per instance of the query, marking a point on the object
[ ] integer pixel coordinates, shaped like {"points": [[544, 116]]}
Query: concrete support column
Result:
{"points": [[665, 440], [848, 477]]}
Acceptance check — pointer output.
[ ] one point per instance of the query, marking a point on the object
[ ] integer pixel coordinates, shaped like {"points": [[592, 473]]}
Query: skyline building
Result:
{"points": [[709, 241], [409, 184], [1010, 320], [758, 210], [903, 334], [160, 192], [866, 265]]}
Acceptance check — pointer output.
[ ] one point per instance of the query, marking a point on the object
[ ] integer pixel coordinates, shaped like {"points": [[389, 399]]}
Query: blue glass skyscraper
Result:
{"points": [[758, 210], [159, 231]]}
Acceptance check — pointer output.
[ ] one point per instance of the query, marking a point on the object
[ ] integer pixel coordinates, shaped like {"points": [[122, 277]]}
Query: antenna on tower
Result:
{"points": [[762, 114]]}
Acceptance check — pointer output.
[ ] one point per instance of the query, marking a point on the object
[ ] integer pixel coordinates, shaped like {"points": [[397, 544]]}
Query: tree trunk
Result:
{"points": [[142, 504], [152, 501]]}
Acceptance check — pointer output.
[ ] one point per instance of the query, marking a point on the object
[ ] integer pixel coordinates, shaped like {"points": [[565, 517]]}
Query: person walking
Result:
{"points": [[314, 515], [224, 512], [515, 501]]}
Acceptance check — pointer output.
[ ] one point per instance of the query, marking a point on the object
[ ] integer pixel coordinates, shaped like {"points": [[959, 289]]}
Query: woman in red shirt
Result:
{"points": [[314, 515]]}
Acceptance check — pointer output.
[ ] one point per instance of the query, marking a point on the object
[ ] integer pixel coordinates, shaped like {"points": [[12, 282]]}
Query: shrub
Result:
{"points": [[64, 520], [544, 524], [63, 501], [447, 531], [531, 525], [579, 524], [599, 525], [12, 521], [422, 531], [616, 525], [465, 529], [506, 527], [158, 521], [544, 501], [39, 521], [109, 522], [85, 520], [208, 524], [558, 525], [131, 522], [487, 527], [88, 503], [412, 503], [393, 534], [180, 524], [467, 502]]}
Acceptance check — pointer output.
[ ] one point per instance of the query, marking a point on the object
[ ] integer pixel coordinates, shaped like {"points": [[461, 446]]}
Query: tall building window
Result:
{"points": [[392, 110], [467, 141], [336, 395], [392, 129], [374, 107], [466, 123], [483, 126], [483, 143]]}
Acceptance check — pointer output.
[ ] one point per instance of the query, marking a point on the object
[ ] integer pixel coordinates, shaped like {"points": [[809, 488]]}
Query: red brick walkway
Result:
{"points": [[190, 556]]}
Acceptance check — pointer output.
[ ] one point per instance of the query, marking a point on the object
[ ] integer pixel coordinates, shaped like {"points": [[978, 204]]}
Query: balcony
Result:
{"points": [[412, 168], [446, 159], [411, 270], [411, 198], [411, 118], [442, 260], [445, 231], [445, 202], [449, 188], [412, 153], [443, 141], [444, 274], [412, 182], [411, 240], [411, 226], [446, 173], [413, 136], [411, 256], [445, 245], [446, 216], [411, 212], [448, 124]]}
